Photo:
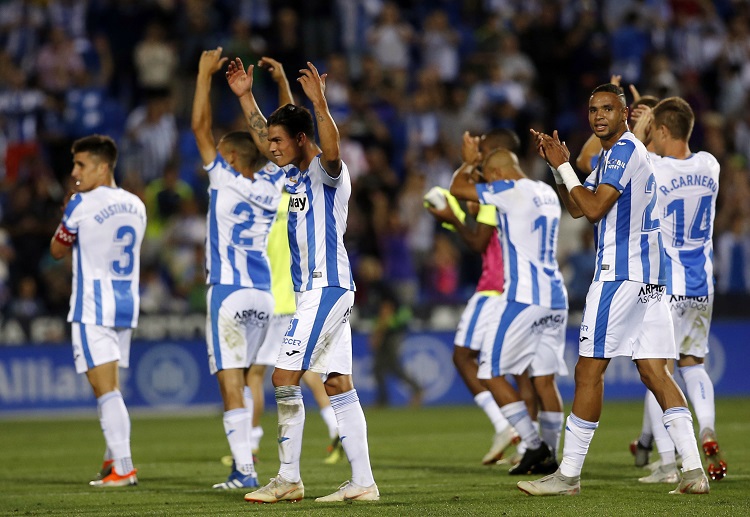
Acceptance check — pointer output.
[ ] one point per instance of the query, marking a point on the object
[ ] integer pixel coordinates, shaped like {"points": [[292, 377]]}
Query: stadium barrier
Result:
{"points": [[172, 374]]}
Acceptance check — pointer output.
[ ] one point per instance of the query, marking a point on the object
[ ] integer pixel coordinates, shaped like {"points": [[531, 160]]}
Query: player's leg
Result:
{"points": [[254, 379], [642, 446], [551, 416], [510, 352], [232, 344], [465, 360], [692, 343], [654, 342], [98, 352], [315, 383], [666, 472]]}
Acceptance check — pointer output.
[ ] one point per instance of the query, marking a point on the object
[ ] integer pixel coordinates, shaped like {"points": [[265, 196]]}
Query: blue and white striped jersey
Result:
{"points": [[318, 208], [528, 219], [240, 214], [109, 224], [687, 200], [628, 240]]}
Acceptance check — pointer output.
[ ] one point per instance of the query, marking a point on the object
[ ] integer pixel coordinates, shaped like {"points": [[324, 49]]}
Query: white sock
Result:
{"points": [[256, 433], [518, 416], [291, 425], [486, 401], [237, 425], [647, 435], [115, 422], [329, 417], [578, 436], [353, 432], [679, 425], [664, 443], [247, 397], [700, 391], [551, 423]]}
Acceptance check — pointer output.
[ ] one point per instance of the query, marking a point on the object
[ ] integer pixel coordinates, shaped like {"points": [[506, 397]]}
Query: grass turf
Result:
{"points": [[426, 462]]}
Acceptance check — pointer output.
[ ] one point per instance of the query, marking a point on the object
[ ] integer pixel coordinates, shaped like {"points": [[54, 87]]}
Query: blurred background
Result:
{"points": [[405, 79]]}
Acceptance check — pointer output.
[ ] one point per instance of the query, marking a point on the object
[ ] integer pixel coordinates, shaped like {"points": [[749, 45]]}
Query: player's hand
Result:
{"points": [[445, 214], [240, 82], [275, 68], [555, 151], [615, 79], [470, 149], [211, 62], [643, 123], [539, 138], [313, 84]]}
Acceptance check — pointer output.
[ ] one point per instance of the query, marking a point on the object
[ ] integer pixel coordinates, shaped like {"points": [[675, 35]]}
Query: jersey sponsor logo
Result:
{"points": [[616, 164], [297, 202], [650, 292], [551, 322]]}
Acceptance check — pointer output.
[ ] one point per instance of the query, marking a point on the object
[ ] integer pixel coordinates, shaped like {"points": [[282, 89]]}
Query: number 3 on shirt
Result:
{"points": [[650, 224], [125, 238]]}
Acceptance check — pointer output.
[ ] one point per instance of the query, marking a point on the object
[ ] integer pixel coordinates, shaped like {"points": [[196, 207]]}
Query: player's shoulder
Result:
{"points": [[707, 158]]}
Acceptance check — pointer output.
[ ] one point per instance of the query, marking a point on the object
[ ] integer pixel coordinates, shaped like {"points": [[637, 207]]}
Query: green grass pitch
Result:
{"points": [[426, 462]]}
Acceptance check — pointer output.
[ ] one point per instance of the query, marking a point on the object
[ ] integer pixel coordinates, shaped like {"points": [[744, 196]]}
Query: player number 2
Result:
{"points": [[125, 238], [649, 223]]}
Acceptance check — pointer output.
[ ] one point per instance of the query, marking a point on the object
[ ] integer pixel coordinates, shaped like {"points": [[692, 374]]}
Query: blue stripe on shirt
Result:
{"points": [[296, 268], [332, 269], [124, 303], [310, 223], [601, 225], [645, 262], [258, 270], [622, 234], [98, 300], [696, 280], [534, 284], [214, 266], [78, 304], [512, 261]]}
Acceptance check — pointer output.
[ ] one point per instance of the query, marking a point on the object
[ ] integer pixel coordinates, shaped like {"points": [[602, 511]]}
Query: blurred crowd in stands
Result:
{"points": [[405, 79]]}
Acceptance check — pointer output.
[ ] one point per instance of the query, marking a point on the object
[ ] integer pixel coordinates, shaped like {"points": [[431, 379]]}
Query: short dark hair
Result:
{"points": [[611, 88], [677, 116], [244, 146], [101, 146], [502, 137], [295, 119]]}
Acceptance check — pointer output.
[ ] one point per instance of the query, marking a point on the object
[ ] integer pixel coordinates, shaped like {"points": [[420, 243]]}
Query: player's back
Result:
{"points": [[318, 211], [109, 224], [628, 239], [529, 218], [240, 214], [687, 201]]}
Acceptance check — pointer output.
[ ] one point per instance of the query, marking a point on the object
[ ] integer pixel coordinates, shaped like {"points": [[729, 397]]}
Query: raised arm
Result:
{"points": [[210, 62], [279, 77], [241, 84], [313, 85], [476, 238], [461, 185]]}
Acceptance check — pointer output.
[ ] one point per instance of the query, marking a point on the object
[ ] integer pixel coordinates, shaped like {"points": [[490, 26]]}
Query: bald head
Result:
{"points": [[502, 164]]}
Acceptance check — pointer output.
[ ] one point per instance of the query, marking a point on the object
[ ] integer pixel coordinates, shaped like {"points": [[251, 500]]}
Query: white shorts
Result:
{"points": [[236, 325], [624, 318], [691, 316], [94, 345], [319, 337], [269, 350], [526, 337], [474, 322]]}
